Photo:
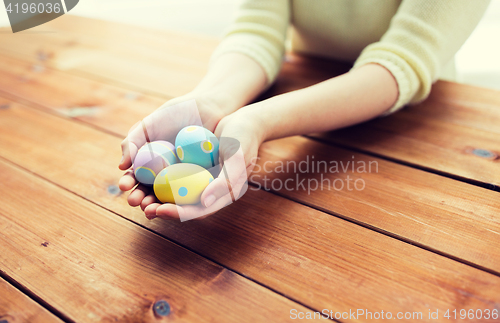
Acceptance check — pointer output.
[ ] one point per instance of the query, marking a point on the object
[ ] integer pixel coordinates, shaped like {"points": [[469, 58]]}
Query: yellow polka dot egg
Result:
{"points": [[181, 184], [197, 145]]}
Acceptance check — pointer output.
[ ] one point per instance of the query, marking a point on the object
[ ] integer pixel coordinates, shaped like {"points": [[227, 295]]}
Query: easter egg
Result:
{"points": [[197, 145], [151, 159], [181, 184]]}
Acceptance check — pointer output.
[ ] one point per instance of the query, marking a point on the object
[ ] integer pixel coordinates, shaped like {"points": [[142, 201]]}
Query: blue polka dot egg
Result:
{"points": [[197, 145], [181, 184]]}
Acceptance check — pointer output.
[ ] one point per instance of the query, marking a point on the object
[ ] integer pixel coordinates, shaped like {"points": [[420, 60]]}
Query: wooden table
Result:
{"points": [[422, 236]]}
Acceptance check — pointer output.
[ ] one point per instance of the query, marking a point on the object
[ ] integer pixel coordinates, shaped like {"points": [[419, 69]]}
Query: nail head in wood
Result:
{"points": [[161, 308], [42, 56], [484, 153], [113, 189]]}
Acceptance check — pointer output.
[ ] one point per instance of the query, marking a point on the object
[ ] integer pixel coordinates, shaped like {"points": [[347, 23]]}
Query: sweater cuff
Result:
{"points": [[258, 49], [406, 79]]}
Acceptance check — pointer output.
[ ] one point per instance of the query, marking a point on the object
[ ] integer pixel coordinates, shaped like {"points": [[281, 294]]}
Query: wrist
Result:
{"points": [[251, 117], [217, 100], [211, 107], [234, 80]]}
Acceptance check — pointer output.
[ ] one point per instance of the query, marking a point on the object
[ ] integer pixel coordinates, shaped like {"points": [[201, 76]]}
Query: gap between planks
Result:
{"points": [[385, 232], [452, 176], [16, 287]]}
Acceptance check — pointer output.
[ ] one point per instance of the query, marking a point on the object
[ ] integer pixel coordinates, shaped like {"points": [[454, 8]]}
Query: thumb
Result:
{"points": [[233, 179], [136, 137], [218, 188]]}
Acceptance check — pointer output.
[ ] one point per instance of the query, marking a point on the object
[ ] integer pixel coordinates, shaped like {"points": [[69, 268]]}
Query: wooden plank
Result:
{"points": [[17, 307], [440, 214], [171, 64], [92, 265], [461, 104], [435, 222], [138, 41], [105, 106], [319, 260]]}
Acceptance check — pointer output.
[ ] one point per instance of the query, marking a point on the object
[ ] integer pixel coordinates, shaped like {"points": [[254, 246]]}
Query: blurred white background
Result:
{"points": [[478, 61]]}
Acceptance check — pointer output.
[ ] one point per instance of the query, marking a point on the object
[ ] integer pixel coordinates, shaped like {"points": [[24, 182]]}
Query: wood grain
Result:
{"points": [[450, 217], [165, 63], [104, 106], [17, 307], [92, 265], [462, 105], [397, 200], [314, 258]]}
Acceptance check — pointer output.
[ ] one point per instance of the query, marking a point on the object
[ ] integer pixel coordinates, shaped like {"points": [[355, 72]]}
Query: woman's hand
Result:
{"points": [[232, 81], [164, 124], [240, 135]]}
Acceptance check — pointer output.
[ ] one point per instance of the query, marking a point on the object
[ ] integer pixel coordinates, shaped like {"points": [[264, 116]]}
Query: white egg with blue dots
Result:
{"points": [[197, 145]]}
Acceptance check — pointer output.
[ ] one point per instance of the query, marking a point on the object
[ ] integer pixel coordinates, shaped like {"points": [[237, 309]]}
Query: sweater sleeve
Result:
{"points": [[423, 36], [258, 31]]}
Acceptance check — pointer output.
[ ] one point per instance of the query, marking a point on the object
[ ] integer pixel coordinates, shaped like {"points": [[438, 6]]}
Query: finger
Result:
{"points": [[129, 150], [150, 210], [135, 198], [127, 181], [185, 212], [129, 146], [215, 190], [169, 211], [198, 211], [147, 200], [233, 177], [234, 169]]}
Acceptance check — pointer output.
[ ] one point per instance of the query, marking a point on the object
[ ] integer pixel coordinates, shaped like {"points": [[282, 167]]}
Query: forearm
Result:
{"points": [[233, 80], [354, 97]]}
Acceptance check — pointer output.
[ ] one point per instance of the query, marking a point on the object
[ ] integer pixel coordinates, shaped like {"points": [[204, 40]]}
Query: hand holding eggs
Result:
{"points": [[181, 183]]}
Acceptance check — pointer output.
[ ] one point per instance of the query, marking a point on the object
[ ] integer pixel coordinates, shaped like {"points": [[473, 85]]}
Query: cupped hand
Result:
{"points": [[240, 136], [163, 124]]}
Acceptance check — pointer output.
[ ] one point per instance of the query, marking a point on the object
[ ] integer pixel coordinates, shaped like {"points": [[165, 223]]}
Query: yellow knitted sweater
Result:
{"points": [[413, 39]]}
